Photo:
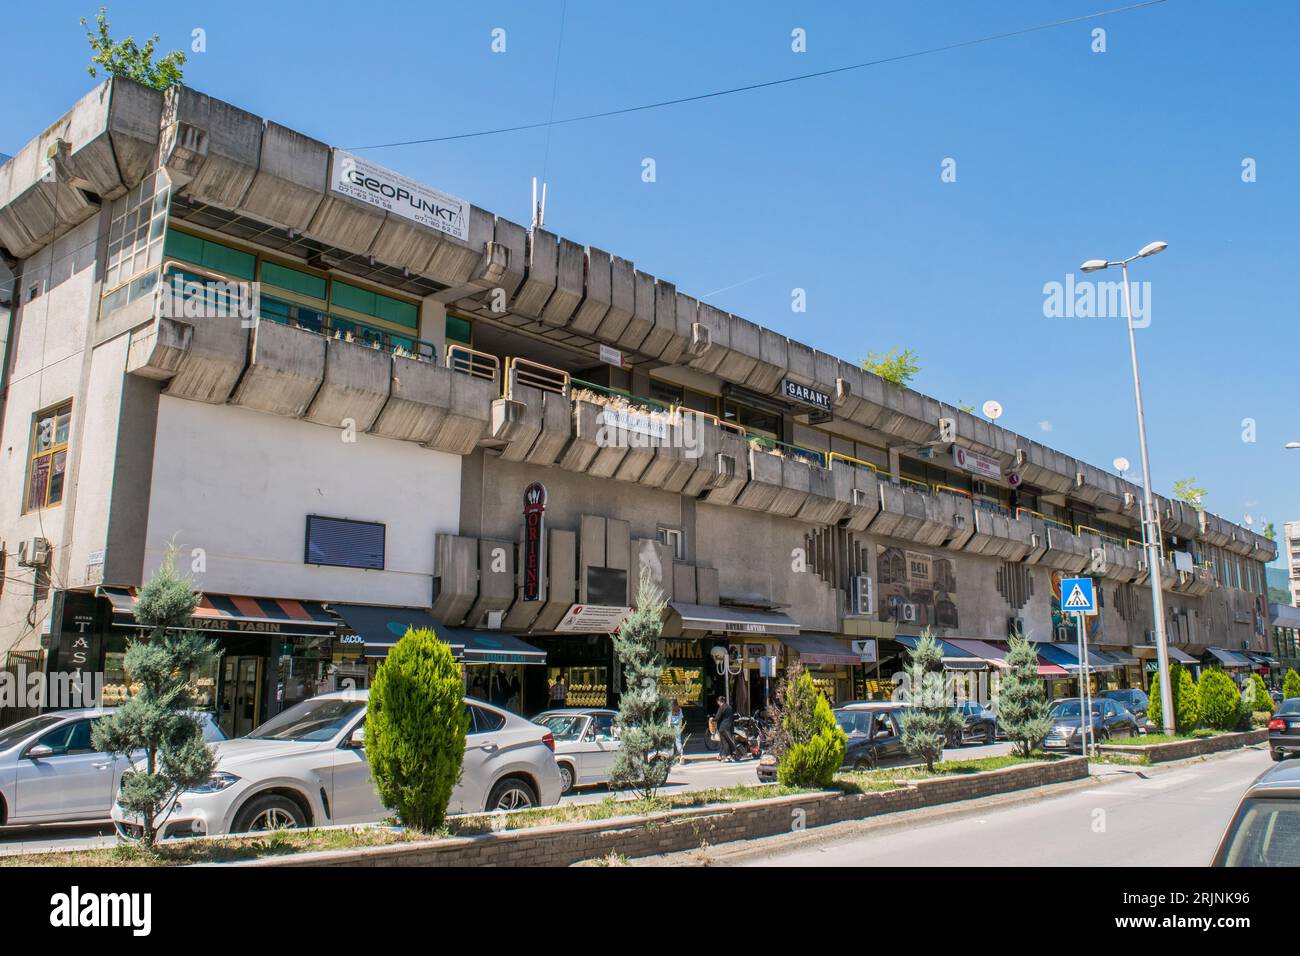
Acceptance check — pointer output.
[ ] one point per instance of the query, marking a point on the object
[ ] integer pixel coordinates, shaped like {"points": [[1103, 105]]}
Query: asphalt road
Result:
{"points": [[1143, 817]]}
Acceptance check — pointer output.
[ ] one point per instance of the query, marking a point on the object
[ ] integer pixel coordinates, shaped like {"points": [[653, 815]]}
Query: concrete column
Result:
{"points": [[433, 324]]}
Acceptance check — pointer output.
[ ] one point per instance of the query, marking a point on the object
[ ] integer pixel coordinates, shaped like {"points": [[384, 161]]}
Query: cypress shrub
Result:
{"points": [[1291, 684], [1187, 710], [815, 750], [1262, 699], [416, 723], [1220, 700]]}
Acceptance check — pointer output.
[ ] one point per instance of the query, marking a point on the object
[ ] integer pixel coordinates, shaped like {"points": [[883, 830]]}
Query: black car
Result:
{"points": [[1265, 830], [1108, 719], [1131, 699], [1284, 729], [981, 724], [875, 737]]}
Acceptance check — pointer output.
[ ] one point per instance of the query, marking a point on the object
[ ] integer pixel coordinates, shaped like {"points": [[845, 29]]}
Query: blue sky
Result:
{"points": [[833, 185]]}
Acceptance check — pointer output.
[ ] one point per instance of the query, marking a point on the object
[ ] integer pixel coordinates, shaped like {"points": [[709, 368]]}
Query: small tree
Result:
{"points": [[1186, 489], [1219, 698], [416, 723], [1187, 711], [1022, 699], [1290, 684], [813, 741], [127, 58], [893, 366], [1260, 698], [931, 719], [155, 719], [645, 750], [1269, 531]]}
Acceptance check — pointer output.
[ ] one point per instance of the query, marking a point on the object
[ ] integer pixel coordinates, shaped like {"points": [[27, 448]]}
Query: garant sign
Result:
{"points": [[806, 396], [384, 189], [534, 532]]}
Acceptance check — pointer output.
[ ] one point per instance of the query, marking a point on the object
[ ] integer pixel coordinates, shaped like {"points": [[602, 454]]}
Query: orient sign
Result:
{"points": [[806, 396], [534, 532], [384, 189]]}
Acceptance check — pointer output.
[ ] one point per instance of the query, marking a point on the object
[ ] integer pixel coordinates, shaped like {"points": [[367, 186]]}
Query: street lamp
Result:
{"points": [[1149, 515]]}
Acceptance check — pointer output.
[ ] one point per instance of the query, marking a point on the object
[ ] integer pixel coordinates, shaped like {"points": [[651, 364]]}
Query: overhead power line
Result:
{"points": [[768, 83]]}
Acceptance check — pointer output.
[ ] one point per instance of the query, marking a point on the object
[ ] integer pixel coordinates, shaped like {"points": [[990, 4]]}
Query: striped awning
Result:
{"points": [[236, 613]]}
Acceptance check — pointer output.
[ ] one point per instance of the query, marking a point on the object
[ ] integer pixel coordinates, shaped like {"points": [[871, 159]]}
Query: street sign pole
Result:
{"points": [[1079, 595], [1085, 686]]}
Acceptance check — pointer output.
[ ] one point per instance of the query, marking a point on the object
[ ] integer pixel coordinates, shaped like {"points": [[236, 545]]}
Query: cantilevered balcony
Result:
{"points": [[912, 511]]}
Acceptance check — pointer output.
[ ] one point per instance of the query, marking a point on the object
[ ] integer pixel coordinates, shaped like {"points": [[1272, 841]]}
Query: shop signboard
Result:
{"points": [[384, 189], [866, 650], [976, 463], [534, 536], [593, 619]]}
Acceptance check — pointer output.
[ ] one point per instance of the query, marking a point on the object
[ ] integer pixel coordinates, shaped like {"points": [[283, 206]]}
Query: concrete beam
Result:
{"points": [[291, 180], [664, 327], [643, 313], [596, 292], [864, 497], [469, 412], [496, 579], [418, 399], [355, 386], [540, 276], [285, 369], [455, 577], [622, 300], [211, 150], [570, 265], [561, 578], [214, 361]]}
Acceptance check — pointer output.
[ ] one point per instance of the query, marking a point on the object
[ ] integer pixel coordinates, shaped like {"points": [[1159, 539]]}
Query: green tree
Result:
{"points": [[1022, 699], [1268, 531], [1219, 698], [1290, 684], [931, 719], [1186, 489], [1260, 699], [814, 742], [1187, 712], [416, 723], [645, 749], [156, 718], [893, 366], [129, 59]]}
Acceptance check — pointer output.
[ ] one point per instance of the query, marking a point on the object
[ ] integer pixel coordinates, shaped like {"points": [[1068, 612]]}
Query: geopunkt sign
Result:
{"points": [[392, 192]]}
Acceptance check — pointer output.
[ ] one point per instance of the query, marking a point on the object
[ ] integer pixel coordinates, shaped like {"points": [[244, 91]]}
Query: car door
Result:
{"points": [[887, 738], [586, 756], [352, 794], [73, 780], [604, 745], [481, 747]]}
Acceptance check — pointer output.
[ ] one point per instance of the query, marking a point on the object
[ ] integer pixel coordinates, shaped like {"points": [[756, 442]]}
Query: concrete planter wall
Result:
{"points": [[1181, 749], [687, 829]]}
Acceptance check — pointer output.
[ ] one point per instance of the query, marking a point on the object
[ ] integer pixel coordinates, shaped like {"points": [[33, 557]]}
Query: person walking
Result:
{"points": [[725, 718], [559, 692], [676, 719], [500, 689]]}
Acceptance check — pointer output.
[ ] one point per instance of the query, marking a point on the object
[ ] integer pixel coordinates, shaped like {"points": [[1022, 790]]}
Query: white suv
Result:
{"points": [[308, 767]]}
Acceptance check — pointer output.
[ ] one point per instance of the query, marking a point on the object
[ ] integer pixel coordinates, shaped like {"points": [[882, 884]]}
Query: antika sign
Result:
{"points": [[534, 535]]}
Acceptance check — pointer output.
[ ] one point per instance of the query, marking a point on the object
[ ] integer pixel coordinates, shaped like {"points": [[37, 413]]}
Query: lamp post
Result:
{"points": [[1150, 519]]}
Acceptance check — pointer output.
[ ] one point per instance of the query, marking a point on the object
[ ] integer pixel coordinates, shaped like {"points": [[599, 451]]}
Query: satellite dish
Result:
{"points": [[1249, 519], [992, 409], [1121, 465]]}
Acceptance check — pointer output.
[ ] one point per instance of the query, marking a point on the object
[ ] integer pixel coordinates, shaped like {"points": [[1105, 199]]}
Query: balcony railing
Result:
{"points": [[471, 362]]}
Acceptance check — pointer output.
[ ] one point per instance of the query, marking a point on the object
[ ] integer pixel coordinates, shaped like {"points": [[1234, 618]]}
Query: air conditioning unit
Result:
{"points": [[700, 339], [34, 553], [907, 613], [493, 619], [863, 599], [726, 465], [1148, 636], [1061, 634], [1097, 561], [1015, 625], [860, 498], [1130, 501]]}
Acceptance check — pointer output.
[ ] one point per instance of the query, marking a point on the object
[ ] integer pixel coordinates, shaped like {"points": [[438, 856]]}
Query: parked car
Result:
{"points": [[1132, 699], [586, 740], [1265, 830], [1107, 719], [875, 737], [51, 773], [1284, 729], [981, 723], [307, 767]]}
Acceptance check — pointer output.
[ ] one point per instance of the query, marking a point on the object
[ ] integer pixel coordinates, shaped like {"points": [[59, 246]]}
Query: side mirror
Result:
{"points": [[39, 752], [358, 739]]}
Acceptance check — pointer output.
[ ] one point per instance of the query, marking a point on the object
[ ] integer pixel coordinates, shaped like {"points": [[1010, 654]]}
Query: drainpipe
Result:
{"points": [[9, 306]]}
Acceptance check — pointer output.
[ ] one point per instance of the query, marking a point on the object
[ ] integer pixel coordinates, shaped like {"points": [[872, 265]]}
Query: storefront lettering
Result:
{"points": [[534, 525]]}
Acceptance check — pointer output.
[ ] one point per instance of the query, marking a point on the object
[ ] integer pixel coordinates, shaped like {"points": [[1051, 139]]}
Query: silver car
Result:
{"points": [[586, 742], [308, 767], [51, 773]]}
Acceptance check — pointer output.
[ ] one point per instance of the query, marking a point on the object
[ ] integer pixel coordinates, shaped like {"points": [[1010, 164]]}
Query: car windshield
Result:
{"points": [[12, 736], [312, 720], [1290, 706], [562, 726], [1071, 708], [1266, 833]]}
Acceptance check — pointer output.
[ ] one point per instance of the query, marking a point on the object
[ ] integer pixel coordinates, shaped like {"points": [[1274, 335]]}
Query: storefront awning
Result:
{"points": [[1179, 656], [382, 627], [1228, 658], [821, 649], [1063, 655], [1264, 660], [236, 614], [1123, 658], [954, 657], [492, 647], [996, 656], [733, 620]]}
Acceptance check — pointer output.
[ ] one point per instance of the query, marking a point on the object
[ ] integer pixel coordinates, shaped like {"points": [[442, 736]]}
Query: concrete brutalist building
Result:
{"points": [[354, 403]]}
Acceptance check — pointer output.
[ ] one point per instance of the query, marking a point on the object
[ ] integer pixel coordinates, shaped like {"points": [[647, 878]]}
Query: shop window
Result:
{"points": [[48, 457], [343, 295], [675, 540], [341, 542]]}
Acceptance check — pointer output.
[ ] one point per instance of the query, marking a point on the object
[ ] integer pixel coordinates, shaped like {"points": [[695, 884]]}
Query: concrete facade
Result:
{"points": [[223, 434]]}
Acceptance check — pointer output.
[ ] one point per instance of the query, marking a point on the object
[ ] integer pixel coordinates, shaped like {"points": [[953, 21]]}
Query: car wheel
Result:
{"points": [[990, 734], [271, 812], [511, 794], [566, 778], [869, 762], [1277, 755], [1104, 736]]}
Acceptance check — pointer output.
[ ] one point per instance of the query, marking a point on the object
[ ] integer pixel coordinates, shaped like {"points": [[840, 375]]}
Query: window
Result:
{"points": [[675, 540], [753, 419], [49, 457], [343, 295], [459, 330], [341, 542], [209, 254], [70, 739], [482, 720]]}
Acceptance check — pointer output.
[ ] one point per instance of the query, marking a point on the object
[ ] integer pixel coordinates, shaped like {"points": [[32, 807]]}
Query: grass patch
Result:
{"points": [[885, 778], [1142, 741]]}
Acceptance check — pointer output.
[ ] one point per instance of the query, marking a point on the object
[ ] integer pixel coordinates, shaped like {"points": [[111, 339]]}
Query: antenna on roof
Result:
{"points": [[539, 209]]}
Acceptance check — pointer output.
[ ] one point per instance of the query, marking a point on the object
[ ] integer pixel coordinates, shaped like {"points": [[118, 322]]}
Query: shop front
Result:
{"points": [[579, 672], [829, 660], [964, 671], [1066, 657], [1235, 663], [1128, 669]]}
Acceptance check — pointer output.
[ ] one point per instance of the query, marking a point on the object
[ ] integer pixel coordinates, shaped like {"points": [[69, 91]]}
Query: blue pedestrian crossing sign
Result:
{"points": [[1078, 596]]}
